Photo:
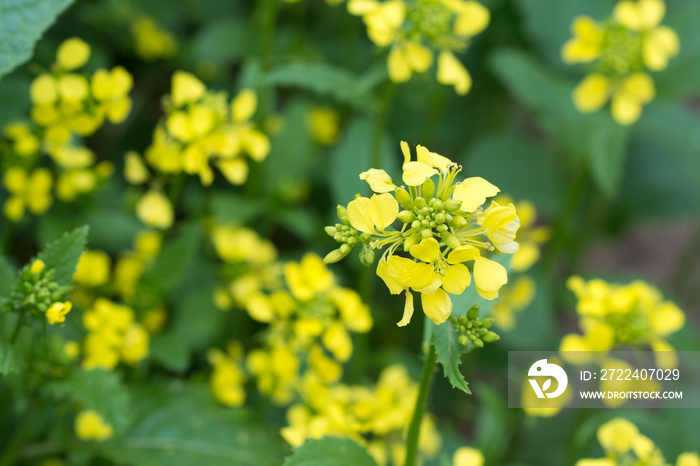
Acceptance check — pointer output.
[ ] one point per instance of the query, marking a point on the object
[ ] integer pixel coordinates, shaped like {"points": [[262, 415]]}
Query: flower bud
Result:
{"points": [[426, 233], [478, 343], [452, 205], [420, 203], [451, 240], [487, 322], [428, 189], [463, 340], [490, 337], [334, 256], [367, 256], [462, 320], [458, 222], [365, 237], [353, 240], [404, 198], [442, 228], [416, 224], [342, 212], [331, 231], [345, 248], [411, 241], [440, 218], [406, 216], [438, 205], [473, 312]]}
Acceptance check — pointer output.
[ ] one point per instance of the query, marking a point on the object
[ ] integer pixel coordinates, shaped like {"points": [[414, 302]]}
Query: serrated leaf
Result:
{"points": [[182, 426], [595, 138], [325, 79], [22, 23], [63, 254], [330, 451], [98, 390], [449, 354]]}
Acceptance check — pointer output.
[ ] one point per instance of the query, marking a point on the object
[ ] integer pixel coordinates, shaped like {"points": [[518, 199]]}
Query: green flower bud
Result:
{"points": [[428, 189], [416, 224], [342, 212], [451, 240], [425, 223], [463, 340], [442, 228], [439, 205], [478, 343], [345, 248], [411, 241], [353, 240], [440, 218], [420, 202], [367, 256], [482, 332], [404, 198], [462, 320], [473, 312], [490, 337], [331, 231], [334, 256], [426, 233], [365, 237], [458, 222], [345, 220], [452, 205], [487, 322], [433, 224], [406, 216]]}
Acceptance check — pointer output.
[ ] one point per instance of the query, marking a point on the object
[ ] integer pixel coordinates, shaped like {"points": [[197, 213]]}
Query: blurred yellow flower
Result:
{"points": [[89, 425], [466, 456], [324, 125], [56, 313], [93, 269], [155, 210], [27, 191], [151, 40]]}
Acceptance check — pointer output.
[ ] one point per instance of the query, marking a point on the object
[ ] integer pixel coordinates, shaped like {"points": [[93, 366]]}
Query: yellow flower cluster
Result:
{"points": [[89, 425], [27, 191], [200, 127], [228, 376], [624, 444], [372, 416], [443, 228], [151, 41], [518, 295], [621, 51], [612, 314], [417, 29], [113, 336]]}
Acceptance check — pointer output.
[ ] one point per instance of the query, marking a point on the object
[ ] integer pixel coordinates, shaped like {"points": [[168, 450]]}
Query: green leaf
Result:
{"points": [[221, 40], [14, 96], [326, 79], [22, 23], [682, 77], [167, 349], [98, 390], [64, 253], [169, 268], [449, 354], [330, 451], [8, 358], [181, 425], [232, 208], [596, 138]]}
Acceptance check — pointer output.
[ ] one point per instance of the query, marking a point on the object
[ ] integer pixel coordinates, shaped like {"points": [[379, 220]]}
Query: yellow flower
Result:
{"points": [[618, 435], [56, 313], [378, 180], [89, 425], [688, 459], [473, 192], [93, 269], [379, 211], [72, 53], [24, 141], [466, 456], [228, 379], [324, 125], [151, 41], [155, 210], [37, 266], [135, 171], [308, 278], [452, 72], [186, 88], [27, 191], [407, 57], [111, 90]]}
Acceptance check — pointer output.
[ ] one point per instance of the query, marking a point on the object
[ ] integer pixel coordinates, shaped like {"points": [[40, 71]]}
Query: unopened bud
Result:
{"points": [[487, 322], [473, 312], [426, 233], [463, 340], [490, 337], [451, 240], [404, 198], [428, 189], [366, 256], [458, 222], [411, 241], [365, 237], [440, 218], [452, 205], [331, 231], [353, 240], [478, 343], [342, 211], [406, 216], [420, 202], [334, 256], [442, 228], [345, 248]]}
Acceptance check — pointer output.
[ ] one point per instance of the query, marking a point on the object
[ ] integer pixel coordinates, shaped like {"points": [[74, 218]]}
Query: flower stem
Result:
{"points": [[426, 380]]}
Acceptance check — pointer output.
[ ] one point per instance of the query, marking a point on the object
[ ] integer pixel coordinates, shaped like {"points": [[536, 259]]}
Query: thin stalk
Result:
{"points": [[426, 380]]}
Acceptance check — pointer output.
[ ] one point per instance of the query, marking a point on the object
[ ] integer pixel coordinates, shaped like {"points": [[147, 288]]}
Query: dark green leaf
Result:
{"points": [[330, 451], [449, 354], [64, 253], [22, 23], [220, 40], [169, 350], [182, 426], [14, 95], [8, 358]]}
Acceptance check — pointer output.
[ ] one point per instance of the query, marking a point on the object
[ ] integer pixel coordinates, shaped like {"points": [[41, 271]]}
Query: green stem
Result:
{"points": [[426, 380], [18, 327]]}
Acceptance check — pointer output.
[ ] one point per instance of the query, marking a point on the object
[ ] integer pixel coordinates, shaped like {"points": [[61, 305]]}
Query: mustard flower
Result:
{"points": [[56, 313], [228, 378], [89, 425], [416, 30], [443, 228], [155, 210], [93, 269], [27, 191], [622, 50]]}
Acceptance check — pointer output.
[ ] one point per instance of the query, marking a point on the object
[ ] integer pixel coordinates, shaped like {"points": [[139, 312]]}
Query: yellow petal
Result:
{"points": [[574, 349], [456, 279], [186, 88], [155, 210], [625, 108], [467, 456], [433, 159], [244, 105], [406, 152], [473, 192], [415, 173], [660, 44], [383, 272], [664, 354], [452, 72], [361, 7], [592, 93], [596, 462], [72, 53], [639, 85], [437, 306], [398, 66], [688, 459], [666, 319], [427, 250], [359, 215], [383, 210], [378, 180], [408, 273], [73, 87], [407, 310], [135, 171], [44, 89], [473, 18], [489, 275], [463, 254], [234, 170], [418, 56]]}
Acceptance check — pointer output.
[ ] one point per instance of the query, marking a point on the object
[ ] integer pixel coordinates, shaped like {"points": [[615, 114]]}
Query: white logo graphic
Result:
{"points": [[542, 368]]}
